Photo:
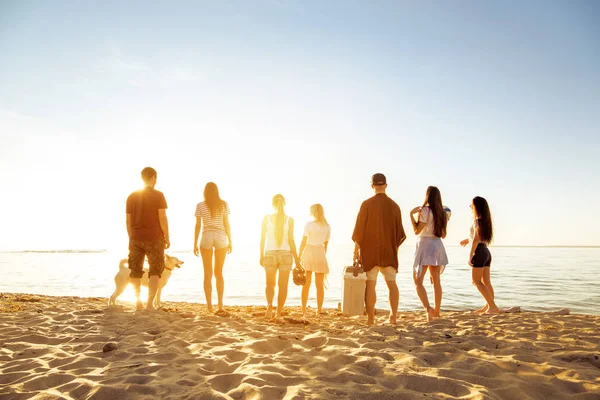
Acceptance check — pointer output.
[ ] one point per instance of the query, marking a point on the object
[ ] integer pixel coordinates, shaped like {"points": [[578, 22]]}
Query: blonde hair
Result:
{"points": [[317, 211], [278, 204]]}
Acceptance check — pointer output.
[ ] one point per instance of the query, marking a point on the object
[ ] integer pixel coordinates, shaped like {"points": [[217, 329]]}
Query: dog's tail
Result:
{"points": [[123, 263]]}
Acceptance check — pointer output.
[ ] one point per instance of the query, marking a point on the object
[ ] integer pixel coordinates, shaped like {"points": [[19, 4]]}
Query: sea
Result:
{"points": [[534, 278]]}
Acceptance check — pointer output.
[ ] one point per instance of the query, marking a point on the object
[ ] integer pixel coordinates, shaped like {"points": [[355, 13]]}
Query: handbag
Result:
{"points": [[299, 275]]}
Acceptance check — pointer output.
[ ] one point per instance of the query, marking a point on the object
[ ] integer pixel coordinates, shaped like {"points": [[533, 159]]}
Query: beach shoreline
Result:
{"points": [[79, 348]]}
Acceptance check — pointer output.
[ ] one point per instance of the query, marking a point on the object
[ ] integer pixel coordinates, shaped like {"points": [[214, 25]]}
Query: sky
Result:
{"points": [[308, 99]]}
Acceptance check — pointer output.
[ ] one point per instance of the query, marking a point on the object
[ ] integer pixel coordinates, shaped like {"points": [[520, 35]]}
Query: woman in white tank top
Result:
{"points": [[277, 253]]}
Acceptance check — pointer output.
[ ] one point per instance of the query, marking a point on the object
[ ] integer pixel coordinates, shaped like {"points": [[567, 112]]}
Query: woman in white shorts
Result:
{"points": [[430, 253], [277, 253], [313, 250], [212, 216]]}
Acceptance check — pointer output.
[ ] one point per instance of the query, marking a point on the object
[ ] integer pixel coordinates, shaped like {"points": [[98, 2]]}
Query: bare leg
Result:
{"points": [[270, 291], [137, 285], [488, 283], [370, 299], [284, 277], [394, 300], [157, 298], [477, 274], [152, 289], [422, 292], [305, 291], [319, 282], [435, 272], [208, 273], [219, 263]]}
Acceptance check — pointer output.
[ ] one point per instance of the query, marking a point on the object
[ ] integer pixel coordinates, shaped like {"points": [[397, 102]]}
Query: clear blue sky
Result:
{"points": [[499, 99]]}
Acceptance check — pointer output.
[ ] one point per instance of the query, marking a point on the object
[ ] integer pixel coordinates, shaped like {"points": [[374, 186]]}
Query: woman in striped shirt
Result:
{"points": [[212, 216]]}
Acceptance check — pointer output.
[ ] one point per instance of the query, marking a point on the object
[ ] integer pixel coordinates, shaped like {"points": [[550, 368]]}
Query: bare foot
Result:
{"points": [[303, 310], [139, 306], [436, 313], [210, 308], [150, 309], [492, 311], [430, 314], [391, 320], [222, 313], [269, 313], [481, 310], [370, 322]]}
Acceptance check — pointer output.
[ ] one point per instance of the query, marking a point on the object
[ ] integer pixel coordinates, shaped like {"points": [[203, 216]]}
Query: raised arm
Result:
{"points": [[197, 234], [417, 224], [164, 226]]}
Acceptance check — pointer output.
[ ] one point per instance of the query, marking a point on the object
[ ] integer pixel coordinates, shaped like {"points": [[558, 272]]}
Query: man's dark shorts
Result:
{"points": [[154, 250]]}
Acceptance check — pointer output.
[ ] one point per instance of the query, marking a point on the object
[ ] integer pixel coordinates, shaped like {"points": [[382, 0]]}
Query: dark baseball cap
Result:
{"points": [[378, 179]]}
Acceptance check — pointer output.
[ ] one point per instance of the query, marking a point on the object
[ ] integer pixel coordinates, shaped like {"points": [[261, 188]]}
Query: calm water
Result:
{"points": [[533, 278]]}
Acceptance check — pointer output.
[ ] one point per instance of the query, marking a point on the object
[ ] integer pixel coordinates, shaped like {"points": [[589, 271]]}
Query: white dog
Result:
{"points": [[122, 279]]}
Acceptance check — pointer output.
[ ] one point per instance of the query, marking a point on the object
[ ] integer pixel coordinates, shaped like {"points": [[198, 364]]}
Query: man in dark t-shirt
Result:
{"points": [[148, 231], [378, 234]]}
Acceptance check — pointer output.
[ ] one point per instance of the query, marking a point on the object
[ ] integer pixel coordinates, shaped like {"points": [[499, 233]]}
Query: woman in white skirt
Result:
{"points": [[313, 250], [430, 254]]}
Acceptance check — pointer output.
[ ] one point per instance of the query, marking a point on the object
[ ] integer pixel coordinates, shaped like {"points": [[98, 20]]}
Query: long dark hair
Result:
{"points": [[212, 199], [484, 219], [433, 198]]}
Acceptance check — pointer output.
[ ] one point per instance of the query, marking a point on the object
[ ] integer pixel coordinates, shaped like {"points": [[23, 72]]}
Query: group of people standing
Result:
{"points": [[377, 235]]}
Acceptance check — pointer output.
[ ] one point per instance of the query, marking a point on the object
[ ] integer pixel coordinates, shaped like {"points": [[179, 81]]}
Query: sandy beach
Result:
{"points": [[78, 348]]}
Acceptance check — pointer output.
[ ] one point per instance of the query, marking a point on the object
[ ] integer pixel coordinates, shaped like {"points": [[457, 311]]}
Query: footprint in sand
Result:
{"points": [[139, 379], [12, 377], [339, 361], [368, 367], [269, 346], [317, 341], [48, 381], [432, 384], [232, 355], [225, 383]]}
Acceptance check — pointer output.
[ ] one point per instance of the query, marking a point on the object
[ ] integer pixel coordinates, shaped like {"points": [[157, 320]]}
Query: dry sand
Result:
{"points": [[52, 347]]}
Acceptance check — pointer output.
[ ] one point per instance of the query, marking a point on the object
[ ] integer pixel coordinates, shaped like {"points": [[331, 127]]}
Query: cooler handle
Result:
{"points": [[357, 268]]}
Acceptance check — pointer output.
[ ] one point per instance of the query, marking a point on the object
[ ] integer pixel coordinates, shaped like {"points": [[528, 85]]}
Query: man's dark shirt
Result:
{"points": [[379, 232], [143, 205]]}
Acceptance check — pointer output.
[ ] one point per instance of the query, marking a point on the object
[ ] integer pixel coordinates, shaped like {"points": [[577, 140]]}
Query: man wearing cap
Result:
{"points": [[148, 231], [378, 234]]}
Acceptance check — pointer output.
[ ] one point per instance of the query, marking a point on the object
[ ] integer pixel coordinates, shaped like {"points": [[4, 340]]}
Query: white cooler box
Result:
{"points": [[353, 292]]}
